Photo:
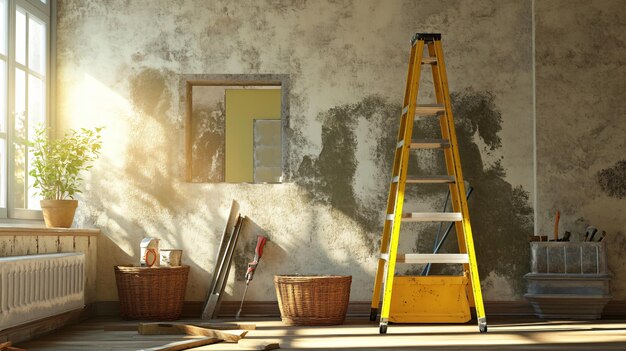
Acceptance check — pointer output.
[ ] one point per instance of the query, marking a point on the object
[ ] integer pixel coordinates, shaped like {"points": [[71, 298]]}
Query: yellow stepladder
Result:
{"points": [[385, 274]]}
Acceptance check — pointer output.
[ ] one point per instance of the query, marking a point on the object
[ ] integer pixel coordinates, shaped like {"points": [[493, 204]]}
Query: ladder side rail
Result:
{"points": [[393, 243], [467, 230], [448, 153], [393, 191]]}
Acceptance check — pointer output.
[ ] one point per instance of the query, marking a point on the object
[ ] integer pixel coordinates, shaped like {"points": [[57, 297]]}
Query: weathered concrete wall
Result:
{"points": [[119, 64], [581, 121]]}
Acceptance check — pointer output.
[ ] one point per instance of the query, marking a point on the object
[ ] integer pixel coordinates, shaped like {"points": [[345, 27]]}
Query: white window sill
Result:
{"points": [[37, 228]]}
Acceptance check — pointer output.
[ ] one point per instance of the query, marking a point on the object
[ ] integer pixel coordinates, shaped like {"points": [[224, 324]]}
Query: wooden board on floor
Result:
{"points": [[228, 326], [184, 345], [258, 345], [216, 326], [173, 328]]}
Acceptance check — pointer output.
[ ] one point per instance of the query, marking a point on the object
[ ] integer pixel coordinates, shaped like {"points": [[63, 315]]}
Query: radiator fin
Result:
{"points": [[38, 286]]}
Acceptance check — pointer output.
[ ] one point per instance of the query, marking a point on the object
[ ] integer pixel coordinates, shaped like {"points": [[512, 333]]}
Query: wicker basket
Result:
{"points": [[312, 300], [151, 293]]}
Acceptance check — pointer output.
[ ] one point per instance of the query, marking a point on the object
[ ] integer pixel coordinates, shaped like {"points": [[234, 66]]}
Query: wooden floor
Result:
{"points": [[504, 334]]}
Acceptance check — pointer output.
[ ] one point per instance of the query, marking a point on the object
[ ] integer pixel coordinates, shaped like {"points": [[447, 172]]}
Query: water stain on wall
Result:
{"points": [[329, 177], [613, 180], [500, 213], [149, 92]]}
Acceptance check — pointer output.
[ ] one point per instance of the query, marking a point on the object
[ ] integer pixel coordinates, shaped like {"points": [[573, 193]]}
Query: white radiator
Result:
{"points": [[39, 286]]}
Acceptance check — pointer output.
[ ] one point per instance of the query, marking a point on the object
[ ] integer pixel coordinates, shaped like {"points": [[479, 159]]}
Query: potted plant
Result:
{"points": [[56, 168]]}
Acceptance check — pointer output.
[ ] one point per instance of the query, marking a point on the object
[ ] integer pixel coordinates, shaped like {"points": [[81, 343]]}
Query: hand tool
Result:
{"points": [[566, 236], [590, 232], [594, 230], [258, 252], [602, 236], [556, 225]]}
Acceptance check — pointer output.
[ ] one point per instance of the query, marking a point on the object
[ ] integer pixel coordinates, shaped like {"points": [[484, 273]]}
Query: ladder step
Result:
{"points": [[432, 258], [429, 258], [429, 217], [436, 179], [429, 109], [429, 60], [428, 144]]}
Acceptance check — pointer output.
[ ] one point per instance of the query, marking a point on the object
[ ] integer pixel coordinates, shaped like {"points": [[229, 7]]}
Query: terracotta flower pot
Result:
{"points": [[58, 213]]}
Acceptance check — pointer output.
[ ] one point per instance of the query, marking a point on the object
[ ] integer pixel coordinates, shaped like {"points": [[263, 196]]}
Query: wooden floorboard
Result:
{"points": [[505, 333]]}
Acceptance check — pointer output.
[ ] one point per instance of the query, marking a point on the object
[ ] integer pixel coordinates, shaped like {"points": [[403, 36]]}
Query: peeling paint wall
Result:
{"points": [[208, 143], [119, 65], [581, 121]]}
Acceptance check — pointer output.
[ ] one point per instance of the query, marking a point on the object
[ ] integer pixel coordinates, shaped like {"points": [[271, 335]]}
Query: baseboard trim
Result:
{"points": [[44, 326], [193, 309]]}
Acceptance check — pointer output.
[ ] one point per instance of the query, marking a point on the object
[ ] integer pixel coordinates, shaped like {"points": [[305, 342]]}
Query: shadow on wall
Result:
{"points": [[135, 196], [134, 193], [501, 214]]}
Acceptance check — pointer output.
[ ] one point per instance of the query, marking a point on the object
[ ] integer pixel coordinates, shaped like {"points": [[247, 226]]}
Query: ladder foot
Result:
{"points": [[383, 328], [482, 327], [373, 314]]}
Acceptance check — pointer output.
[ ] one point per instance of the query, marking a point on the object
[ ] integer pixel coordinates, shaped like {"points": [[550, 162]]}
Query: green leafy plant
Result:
{"points": [[57, 163]]}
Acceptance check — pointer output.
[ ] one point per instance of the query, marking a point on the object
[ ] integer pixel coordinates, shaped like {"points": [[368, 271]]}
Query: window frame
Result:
{"points": [[44, 13]]}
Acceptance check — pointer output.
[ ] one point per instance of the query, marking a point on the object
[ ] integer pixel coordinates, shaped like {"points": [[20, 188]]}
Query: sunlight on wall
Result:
{"points": [[93, 104]]}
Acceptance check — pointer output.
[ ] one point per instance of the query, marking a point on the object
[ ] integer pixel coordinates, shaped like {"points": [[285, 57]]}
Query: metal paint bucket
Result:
{"points": [[171, 257]]}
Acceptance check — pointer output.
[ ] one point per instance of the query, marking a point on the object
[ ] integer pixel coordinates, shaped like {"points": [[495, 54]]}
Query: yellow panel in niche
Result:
{"points": [[243, 106]]}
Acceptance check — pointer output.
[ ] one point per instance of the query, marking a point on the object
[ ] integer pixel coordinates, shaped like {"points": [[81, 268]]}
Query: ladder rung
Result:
{"points": [[429, 143], [432, 258], [428, 258], [436, 179], [429, 60], [429, 217], [429, 109]]}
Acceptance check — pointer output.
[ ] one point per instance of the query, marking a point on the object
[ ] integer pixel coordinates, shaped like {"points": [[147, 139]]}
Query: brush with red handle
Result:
{"points": [[258, 252]]}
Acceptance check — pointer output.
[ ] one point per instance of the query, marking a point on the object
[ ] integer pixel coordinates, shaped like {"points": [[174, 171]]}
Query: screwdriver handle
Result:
{"points": [[258, 251]]}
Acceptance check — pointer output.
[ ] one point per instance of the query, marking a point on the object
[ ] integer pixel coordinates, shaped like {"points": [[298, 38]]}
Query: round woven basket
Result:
{"points": [[312, 300], [151, 293]]}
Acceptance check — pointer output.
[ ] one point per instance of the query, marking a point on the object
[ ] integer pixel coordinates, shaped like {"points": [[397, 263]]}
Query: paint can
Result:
{"points": [[149, 252], [171, 257]]}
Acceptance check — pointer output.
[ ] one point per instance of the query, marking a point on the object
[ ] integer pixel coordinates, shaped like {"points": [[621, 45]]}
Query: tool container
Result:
{"points": [[312, 300], [568, 257], [568, 280], [151, 293], [430, 299]]}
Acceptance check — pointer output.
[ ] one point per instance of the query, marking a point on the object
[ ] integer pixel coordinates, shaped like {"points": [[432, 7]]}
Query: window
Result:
{"points": [[25, 33]]}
